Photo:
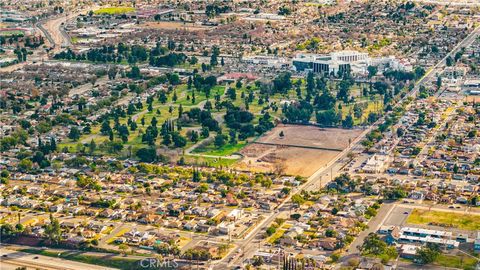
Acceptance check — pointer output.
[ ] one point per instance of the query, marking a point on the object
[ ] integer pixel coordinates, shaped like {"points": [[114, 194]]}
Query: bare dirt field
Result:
{"points": [[295, 160], [174, 26], [310, 136]]}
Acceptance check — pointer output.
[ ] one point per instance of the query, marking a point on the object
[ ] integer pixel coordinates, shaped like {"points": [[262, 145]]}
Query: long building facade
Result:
{"points": [[335, 62]]}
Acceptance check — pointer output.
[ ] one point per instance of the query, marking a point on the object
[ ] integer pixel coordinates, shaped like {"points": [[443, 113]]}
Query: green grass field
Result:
{"points": [[448, 219], [114, 10], [12, 33], [277, 235], [226, 150], [211, 162], [457, 261]]}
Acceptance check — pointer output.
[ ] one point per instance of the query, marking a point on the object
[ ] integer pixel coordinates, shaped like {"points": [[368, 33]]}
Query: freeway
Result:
{"points": [[56, 36], [11, 259], [54, 32], [246, 248]]}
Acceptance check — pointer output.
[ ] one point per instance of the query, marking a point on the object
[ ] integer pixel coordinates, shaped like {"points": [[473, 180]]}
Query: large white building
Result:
{"points": [[268, 61], [357, 62], [334, 62]]}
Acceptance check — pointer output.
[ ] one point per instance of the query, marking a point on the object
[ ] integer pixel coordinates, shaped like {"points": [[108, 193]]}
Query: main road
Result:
{"points": [[246, 248], [12, 259], [52, 29]]}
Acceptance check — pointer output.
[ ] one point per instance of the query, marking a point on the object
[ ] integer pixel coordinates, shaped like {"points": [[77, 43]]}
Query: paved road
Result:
{"points": [[373, 225], [15, 259], [55, 35], [54, 32]]}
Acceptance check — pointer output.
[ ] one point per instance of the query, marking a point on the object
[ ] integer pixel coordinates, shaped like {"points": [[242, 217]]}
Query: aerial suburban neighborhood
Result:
{"points": [[235, 134]]}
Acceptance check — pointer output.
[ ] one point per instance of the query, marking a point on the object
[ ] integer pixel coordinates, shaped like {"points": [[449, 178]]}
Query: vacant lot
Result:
{"points": [[310, 136], [298, 152], [445, 219]]}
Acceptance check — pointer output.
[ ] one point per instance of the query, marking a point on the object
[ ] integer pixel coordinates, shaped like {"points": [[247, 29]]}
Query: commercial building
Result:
{"points": [[424, 236], [268, 61], [334, 62], [454, 72], [378, 163], [472, 83], [391, 63]]}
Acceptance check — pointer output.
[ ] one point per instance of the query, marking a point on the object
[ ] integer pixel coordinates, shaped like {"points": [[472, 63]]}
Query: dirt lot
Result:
{"points": [[295, 160], [174, 26], [335, 138]]}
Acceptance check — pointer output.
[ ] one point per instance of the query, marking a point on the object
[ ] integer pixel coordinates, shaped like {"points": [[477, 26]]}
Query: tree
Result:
{"points": [[178, 140], [428, 254], [92, 146], [123, 248], [310, 82], [193, 135], [372, 71], [74, 134], [439, 82], [205, 132], [449, 61], [231, 93], [282, 83], [202, 188], [327, 118], [25, 165], [330, 233], [419, 72], [105, 128], [123, 132], [162, 97], [298, 199], [112, 72], [193, 60], [284, 10], [257, 261], [134, 73], [220, 140], [147, 154], [344, 90], [372, 244], [347, 122], [271, 230], [52, 230], [167, 139]]}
